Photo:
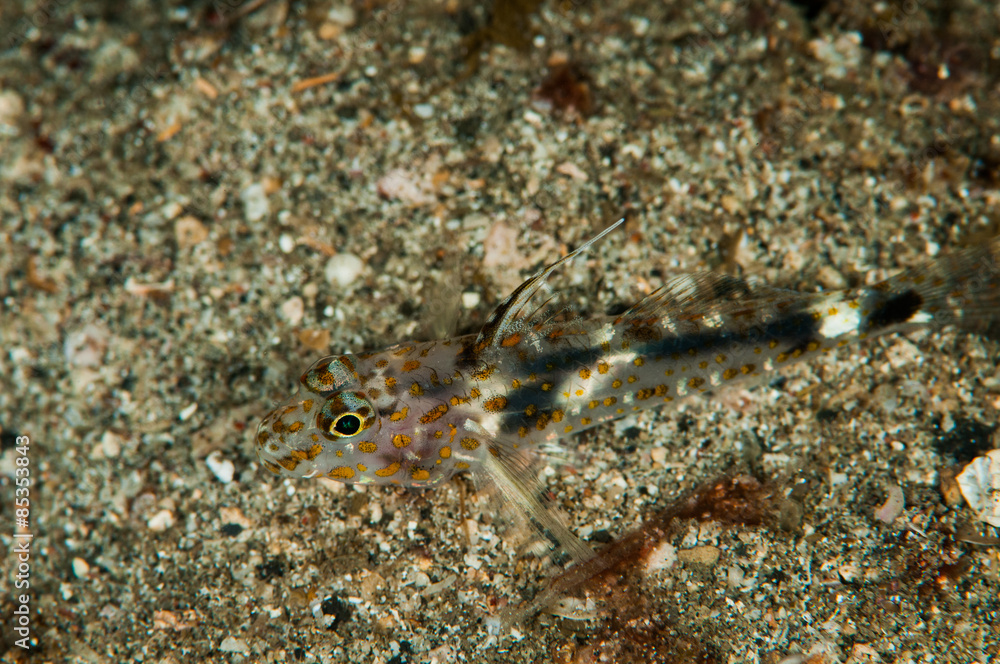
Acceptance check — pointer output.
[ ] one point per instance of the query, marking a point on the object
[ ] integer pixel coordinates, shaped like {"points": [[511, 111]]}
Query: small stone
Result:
{"points": [[423, 111], [223, 469], [830, 278], [11, 108], [343, 269], [417, 55], [189, 231], [950, 492], [171, 210], [186, 414], [893, 506], [161, 521], [232, 644], [572, 170], [293, 309], [848, 572], [234, 515], [663, 556], [255, 203], [420, 579], [979, 483], [730, 203], [470, 299], [315, 339], [406, 186], [329, 31], [342, 15], [111, 445], [700, 555], [80, 568], [85, 347], [170, 620]]}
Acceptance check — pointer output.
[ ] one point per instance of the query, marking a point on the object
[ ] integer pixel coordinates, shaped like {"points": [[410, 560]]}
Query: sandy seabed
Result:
{"points": [[199, 200]]}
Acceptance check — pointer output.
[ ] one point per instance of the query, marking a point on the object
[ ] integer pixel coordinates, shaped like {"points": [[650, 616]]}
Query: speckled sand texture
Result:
{"points": [[197, 200]]}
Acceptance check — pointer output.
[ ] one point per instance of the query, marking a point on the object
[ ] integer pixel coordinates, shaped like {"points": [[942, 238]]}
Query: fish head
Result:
{"points": [[324, 428]]}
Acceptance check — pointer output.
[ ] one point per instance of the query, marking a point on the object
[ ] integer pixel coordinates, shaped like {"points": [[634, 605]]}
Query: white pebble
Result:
{"points": [[423, 111], [420, 579], [473, 561], [417, 54], [893, 507], [188, 411], [11, 107], [172, 210], [110, 445], [85, 347], [343, 269], [286, 243], [979, 483], [232, 644], [662, 557], [293, 309], [342, 15], [161, 521], [255, 203], [80, 568], [223, 469], [470, 299]]}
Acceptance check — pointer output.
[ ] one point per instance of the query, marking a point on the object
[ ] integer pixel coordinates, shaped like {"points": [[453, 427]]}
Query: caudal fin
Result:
{"points": [[962, 289]]}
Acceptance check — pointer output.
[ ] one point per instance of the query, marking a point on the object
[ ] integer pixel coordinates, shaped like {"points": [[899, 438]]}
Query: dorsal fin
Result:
{"points": [[706, 296], [504, 318]]}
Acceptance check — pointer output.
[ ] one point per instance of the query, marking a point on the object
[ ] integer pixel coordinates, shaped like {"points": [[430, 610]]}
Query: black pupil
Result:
{"points": [[348, 425]]}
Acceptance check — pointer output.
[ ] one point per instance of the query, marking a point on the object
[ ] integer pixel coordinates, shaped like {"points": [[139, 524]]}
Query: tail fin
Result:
{"points": [[961, 289]]}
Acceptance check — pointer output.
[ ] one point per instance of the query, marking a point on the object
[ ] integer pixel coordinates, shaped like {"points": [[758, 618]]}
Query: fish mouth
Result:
{"points": [[283, 446]]}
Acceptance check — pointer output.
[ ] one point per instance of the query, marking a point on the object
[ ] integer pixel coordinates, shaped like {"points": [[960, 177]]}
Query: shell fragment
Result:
{"points": [[979, 483]]}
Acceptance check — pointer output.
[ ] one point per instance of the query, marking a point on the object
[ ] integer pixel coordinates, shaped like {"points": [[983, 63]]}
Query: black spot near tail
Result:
{"points": [[896, 310]]}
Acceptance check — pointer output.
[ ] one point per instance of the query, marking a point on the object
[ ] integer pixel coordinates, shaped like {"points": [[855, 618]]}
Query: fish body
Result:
{"points": [[415, 414]]}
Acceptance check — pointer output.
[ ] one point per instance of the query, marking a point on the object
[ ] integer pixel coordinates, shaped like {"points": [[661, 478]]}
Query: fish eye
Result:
{"points": [[347, 424], [345, 414]]}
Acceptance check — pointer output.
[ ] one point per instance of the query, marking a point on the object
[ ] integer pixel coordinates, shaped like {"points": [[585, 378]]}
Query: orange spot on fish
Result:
{"points": [[495, 404], [511, 340], [341, 473], [389, 470], [434, 414]]}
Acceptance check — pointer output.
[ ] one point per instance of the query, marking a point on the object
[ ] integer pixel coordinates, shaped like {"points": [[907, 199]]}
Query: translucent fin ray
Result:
{"points": [[504, 318]]}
